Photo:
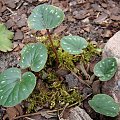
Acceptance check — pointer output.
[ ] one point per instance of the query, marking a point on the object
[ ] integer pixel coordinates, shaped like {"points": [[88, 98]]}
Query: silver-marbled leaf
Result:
{"points": [[33, 55], [45, 17], [15, 87]]}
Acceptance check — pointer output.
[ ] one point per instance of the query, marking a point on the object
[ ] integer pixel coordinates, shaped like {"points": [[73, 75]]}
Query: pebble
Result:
{"points": [[18, 35], [73, 3], [10, 23], [86, 20], [10, 3], [22, 21]]}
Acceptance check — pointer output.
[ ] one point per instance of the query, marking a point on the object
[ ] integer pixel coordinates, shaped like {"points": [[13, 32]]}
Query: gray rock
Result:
{"points": [[112, 49], [72, 81], [77, 114]]}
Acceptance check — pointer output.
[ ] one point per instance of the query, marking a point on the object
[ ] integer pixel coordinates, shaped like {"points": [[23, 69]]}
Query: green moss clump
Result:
{"points": [[53, 96], [89, 53], [67, 60], [53, 93]]}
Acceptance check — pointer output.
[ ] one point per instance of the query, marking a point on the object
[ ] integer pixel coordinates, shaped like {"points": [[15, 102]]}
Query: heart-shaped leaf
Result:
{"points": [[33, 56], [105, 69], [73, 44], [45, 17], [15, 87], [104, 104], [5, 39]]}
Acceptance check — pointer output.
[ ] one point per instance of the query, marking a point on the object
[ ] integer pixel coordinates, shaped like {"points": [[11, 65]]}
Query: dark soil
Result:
{"points": [[95, 20]]}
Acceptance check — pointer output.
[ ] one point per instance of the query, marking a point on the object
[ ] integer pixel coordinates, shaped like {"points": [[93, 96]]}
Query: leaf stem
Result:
{"points": [[53, 48]]}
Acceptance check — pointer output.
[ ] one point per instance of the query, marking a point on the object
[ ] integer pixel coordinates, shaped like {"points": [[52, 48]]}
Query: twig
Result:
{"points": [[82, 68], [38, 113], [92, 78], [10, 10], [33, 114], [19, 5], [63, 110]]}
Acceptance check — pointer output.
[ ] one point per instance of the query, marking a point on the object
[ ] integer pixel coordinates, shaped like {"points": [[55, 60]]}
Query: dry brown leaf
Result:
{"points": [[14, 111], [43, 32], [101, 19]]}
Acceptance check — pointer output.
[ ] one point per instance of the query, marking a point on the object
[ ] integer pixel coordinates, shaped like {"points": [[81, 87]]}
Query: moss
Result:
{"points": [[90, 52], [55, 96], [53, 93], [67, 60]]}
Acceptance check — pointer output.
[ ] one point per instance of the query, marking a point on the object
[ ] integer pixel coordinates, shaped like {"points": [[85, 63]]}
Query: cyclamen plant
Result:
{"points": [[16, 86]]}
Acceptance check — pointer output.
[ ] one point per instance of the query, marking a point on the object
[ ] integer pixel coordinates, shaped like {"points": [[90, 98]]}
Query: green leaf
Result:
{"points": [[33, 56], [73, 44], [105, 69], [104, 104], [45, 17], [15, 87], [5, 39]]}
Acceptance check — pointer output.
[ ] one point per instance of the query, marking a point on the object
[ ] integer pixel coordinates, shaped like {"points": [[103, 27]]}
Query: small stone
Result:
{"points": [[0, 6], [25, 4], [97, 7], [86, 20], [107, 34], [18, 35], [82, 14], [76, 114], [10, 3], [10, 23], [72, 81], [3, 9], [87, 28], [104, 5], [22, 21], [71, 19], [75, 12], [86, 91], [73, 3]]}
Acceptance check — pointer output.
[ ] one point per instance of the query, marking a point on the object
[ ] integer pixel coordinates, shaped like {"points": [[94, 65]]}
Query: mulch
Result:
{"points": [[95, 20]]}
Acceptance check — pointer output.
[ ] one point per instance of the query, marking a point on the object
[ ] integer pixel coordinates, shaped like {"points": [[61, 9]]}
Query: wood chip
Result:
{"points": [[60, 29], [101, 18], [114, 17]]}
